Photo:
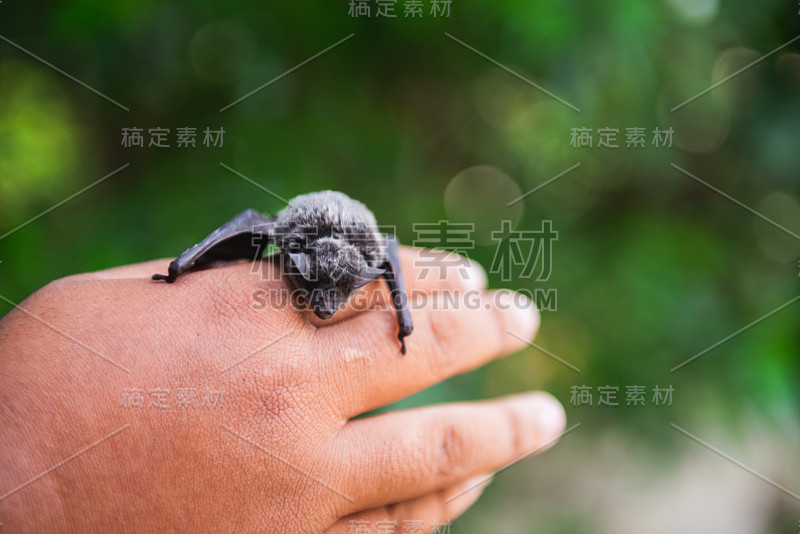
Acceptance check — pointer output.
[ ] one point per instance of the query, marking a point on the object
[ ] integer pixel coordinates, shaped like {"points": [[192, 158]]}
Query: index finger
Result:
{"points": [[424, 269], [453, 334]]}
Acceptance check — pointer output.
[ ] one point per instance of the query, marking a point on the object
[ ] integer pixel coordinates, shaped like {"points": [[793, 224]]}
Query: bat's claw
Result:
{"points": [[402, 345], [168, 278]]}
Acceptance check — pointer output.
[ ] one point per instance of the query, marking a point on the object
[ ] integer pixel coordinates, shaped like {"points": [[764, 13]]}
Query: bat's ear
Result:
{"points": [[300, 260], [367, 275]]}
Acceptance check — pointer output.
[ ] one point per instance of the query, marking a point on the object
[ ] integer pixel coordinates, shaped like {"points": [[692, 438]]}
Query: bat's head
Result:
{"points": [[330, 270]]}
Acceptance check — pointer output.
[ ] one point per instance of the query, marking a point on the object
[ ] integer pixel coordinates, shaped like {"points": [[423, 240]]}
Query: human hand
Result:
{"points": [[278, 449]]}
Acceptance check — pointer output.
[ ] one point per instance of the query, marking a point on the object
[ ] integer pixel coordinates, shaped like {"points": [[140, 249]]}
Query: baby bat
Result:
{"points": [[330, 244]]}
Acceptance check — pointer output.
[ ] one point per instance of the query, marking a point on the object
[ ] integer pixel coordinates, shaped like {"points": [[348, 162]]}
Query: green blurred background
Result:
{"points": [[651, 267]]}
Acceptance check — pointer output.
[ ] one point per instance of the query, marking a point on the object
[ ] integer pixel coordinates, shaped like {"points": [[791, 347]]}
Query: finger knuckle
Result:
{"points": [[452, 451], [280, 394], [445, 332], [281, 399], [516, 431]]}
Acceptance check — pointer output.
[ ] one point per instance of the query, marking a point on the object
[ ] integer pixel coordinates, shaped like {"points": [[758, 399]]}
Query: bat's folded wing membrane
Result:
{"points": [[244, 236]]}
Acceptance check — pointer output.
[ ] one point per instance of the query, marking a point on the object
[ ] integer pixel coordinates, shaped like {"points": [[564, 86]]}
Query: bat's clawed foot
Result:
{"points": [[405, 329], [168, 278]]}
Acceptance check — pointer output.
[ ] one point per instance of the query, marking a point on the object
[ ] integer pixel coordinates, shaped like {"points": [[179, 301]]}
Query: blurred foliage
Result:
{"points": [[651, 267]]}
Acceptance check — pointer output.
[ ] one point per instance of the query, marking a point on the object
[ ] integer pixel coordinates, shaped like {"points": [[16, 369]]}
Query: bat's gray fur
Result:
{"points": [[334, 245], [307, 216], [331, 246]]}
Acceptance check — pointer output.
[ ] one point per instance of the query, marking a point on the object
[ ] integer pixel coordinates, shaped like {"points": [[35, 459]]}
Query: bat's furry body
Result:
{"points": [[332, 247]]}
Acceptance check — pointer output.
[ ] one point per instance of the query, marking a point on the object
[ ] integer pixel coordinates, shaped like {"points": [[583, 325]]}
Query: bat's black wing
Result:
{"points": [[394, 277], [244, 236]]}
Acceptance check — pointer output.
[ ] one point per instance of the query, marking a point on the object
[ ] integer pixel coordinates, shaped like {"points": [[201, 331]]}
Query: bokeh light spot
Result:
{"points": [[480, 195]]}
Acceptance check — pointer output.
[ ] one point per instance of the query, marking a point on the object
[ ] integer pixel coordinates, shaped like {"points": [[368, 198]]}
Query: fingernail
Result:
{"points": [[520, 315], [549, 417], [474, 276]]}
